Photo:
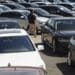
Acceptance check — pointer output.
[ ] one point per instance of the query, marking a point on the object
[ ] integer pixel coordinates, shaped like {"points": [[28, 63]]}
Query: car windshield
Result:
{"points": [[26, 12], [21, 71], [15, 44], [71, 0], [64, 8], [41, 12], [5, 8], [66, 25], [20, 6], [9, 25]]}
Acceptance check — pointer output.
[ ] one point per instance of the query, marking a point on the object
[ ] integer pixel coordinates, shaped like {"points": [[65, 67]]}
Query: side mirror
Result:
{"points": [[40, 47]]}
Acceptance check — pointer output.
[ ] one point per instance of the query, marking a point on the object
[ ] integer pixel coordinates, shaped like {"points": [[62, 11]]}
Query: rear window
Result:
{"points": [[9, 25], [15, 44]]}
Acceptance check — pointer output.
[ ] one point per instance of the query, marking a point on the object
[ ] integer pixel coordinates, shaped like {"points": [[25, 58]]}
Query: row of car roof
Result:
{"points": [[64, 9], [51, 1]]}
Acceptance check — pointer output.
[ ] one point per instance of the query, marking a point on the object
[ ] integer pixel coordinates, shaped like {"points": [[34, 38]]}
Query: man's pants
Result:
{"points": [[32, 29]]}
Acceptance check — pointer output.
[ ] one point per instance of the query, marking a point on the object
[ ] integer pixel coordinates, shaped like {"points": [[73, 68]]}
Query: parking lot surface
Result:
{"points": [[56, 63]]}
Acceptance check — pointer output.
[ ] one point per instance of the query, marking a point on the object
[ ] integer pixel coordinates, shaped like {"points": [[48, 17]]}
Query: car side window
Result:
{"points": [[53, 10], [5, 15], [16, 15], [11, 6], [50, 24], [11, 15]]}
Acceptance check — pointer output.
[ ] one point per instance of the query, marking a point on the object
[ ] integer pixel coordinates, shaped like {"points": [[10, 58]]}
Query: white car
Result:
{"points": [[18, 50]]}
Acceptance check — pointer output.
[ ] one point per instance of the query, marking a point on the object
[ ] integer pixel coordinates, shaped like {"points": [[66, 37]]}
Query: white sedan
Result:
{"points": [[18, 50]]}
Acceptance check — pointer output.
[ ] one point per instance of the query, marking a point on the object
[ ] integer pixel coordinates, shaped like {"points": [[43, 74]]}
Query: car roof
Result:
{"points": [[7, 20], [64, 18], [16, 11], [12, 32]]}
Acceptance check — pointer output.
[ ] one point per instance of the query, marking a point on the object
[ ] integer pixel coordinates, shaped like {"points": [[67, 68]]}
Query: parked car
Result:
{"points": [[14, 6], [30, 1], [42, 15], [18, 50], [67, 5], [57, 32], [18, 15], [55, 1], [68, 1], [22, 71], [18, 1], [58, 9], [4, 8], [70, 6], [8, 24], [28, 5], [71, 53], [42, 3]]}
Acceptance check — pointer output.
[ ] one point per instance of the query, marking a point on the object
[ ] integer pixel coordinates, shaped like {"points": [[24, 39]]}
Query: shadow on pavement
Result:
{"points": [[48, 52], [65, 69]]}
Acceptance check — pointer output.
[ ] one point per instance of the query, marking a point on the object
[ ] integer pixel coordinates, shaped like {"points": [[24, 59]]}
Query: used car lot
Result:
{"points": [[61, 33]]}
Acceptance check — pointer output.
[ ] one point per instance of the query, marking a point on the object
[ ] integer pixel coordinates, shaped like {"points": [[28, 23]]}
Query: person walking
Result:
{"points": [[32, 23]]}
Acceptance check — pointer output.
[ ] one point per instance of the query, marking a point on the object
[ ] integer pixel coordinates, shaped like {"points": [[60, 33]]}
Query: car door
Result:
{"points": [[47, 33]]}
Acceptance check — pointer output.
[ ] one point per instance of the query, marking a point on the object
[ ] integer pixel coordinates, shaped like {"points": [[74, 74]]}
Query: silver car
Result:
{"points": [[18, 15]]}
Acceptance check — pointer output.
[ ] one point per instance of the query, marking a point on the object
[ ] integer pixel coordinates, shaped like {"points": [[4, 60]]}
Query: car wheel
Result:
{"points": [[69, 61], [69, 58], [54, 46], [43, 41]]}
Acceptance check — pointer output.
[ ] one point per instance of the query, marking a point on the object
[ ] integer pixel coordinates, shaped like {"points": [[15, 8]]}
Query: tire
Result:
{"points": [[54, 46], [69, 60], [43, 41]]}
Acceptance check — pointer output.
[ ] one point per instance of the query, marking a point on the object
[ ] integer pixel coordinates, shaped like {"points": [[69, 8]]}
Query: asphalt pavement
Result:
{"points": [[56, 63]]}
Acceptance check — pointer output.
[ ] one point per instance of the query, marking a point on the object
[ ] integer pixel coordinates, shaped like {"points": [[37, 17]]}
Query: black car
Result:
{"points": [[68, 1], [57, 32], [42, 13], [67, 5], [58, 9]]}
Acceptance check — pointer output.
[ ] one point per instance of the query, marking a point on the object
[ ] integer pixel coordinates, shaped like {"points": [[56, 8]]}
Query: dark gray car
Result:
{"points": [[57, 32]]}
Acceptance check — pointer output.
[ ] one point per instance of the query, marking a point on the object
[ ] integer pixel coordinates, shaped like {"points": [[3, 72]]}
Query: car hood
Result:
{"points": [[67, 33], [42, 19], [73, 13], [21, 59]]}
